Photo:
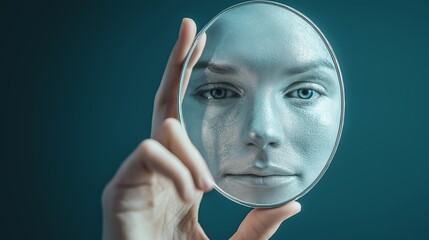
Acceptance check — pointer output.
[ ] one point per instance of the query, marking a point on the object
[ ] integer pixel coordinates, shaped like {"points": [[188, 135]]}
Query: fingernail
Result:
{"points": [[298, 207], [181, 25]]}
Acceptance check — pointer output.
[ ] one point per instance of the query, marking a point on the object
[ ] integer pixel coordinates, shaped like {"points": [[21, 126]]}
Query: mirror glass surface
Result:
{"points": [[261, 97]]}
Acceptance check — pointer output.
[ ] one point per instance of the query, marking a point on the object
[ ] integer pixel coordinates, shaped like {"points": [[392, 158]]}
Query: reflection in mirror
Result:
{"points": [[263, 102]]}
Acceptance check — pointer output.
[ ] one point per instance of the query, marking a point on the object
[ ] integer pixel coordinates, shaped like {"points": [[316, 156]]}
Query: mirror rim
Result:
{"points": [[341, 84]]}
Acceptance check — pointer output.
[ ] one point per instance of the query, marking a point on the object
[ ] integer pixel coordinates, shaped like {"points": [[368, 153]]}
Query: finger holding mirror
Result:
{"points": [[264, 103]]}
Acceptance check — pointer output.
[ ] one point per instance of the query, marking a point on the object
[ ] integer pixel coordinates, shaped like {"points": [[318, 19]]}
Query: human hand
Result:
{"points": [[157, 191]]}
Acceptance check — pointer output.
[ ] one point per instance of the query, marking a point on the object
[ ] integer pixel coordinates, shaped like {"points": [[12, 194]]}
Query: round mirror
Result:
{"points": [[261, 97]]}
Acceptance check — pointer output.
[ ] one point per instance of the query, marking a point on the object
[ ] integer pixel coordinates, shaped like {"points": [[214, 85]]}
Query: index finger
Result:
{"points": [[170, 79], [166, 97]]}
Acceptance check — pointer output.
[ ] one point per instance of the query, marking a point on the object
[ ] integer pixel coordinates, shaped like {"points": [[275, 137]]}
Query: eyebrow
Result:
{"points": [[309, 66], [222, 68]]}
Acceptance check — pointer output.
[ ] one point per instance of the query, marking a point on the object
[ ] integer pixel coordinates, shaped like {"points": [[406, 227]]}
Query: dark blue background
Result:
{"points": [[77, 85]]}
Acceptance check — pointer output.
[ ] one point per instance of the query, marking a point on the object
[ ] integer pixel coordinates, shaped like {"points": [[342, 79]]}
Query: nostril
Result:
{"points": [[263, 134], [269, 138], [259, 143]]}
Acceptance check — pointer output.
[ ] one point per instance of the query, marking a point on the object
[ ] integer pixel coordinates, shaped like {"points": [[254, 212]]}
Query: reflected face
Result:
{"points": [[263, 104]]}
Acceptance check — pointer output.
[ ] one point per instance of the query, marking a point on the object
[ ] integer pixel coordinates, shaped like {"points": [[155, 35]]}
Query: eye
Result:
{"points": [[219, 93], [303, 93]]}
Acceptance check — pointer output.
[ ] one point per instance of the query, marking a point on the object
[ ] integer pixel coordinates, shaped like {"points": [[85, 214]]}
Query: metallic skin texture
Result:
{"points": [[264, 103]]}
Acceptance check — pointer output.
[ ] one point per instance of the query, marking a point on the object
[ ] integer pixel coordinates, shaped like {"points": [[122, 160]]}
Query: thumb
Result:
{"points": [[262, 223]]}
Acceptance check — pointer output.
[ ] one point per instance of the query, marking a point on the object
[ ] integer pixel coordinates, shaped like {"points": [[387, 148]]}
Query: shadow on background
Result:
{"points": [[78, 81]]}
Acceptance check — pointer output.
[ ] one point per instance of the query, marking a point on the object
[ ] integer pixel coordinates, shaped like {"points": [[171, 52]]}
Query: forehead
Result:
{"points": [[263, 36]]}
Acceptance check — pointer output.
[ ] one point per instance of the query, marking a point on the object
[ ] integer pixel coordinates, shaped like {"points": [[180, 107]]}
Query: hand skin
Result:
{"points": [[157, 190]]}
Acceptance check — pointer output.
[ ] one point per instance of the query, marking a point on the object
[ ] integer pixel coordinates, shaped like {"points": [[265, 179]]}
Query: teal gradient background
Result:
{"points": [[78, 80]]}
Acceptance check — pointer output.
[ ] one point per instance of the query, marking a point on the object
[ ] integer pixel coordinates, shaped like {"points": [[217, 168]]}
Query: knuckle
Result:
{"points": [[183, 175], [161, 101], [170, 123], [146, 147], [106, 195], [187, 172], [170, 127]]}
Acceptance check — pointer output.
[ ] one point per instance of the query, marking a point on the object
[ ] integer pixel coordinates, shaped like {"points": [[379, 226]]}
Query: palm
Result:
{"points": [[177, 217], [161, 211]]}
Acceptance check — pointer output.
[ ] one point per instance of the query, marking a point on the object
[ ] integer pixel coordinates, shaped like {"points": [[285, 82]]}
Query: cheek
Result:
{"points": [[313, 132], [218, 134], [193, 117], [203, 128]]}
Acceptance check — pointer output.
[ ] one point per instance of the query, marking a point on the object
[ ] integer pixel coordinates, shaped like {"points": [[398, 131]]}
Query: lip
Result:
{"points": [[270, 176], [267, 170], [256, 180]]}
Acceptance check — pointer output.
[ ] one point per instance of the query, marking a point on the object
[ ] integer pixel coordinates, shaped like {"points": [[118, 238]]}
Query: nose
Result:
{"points": [[264, 125]]}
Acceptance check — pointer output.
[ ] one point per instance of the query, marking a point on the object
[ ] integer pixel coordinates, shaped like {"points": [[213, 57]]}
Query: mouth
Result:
{"points": [[272, 180]]}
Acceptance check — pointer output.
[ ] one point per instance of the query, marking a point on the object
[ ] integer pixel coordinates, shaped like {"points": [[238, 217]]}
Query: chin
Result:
{"points": [[260, 194]]}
